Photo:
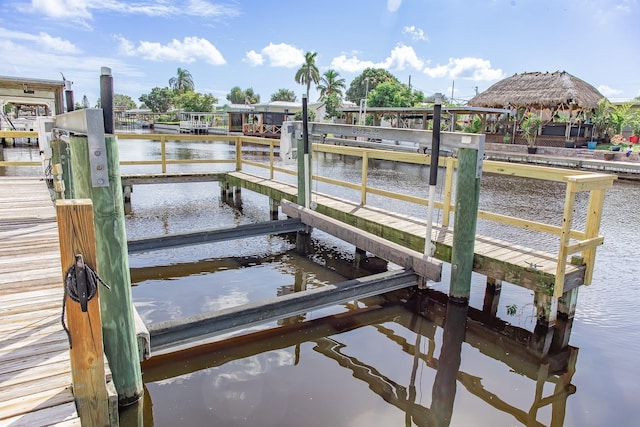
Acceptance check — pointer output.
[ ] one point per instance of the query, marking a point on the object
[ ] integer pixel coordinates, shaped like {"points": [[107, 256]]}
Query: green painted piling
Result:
{"points": [[464, 228], [118, 323]]}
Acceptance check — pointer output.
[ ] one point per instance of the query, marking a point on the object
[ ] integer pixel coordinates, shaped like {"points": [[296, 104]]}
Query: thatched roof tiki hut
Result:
{"points": [[562, 100]]}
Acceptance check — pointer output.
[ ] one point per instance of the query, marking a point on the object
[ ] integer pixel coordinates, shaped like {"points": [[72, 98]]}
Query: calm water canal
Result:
{"points": [[373, 362]]}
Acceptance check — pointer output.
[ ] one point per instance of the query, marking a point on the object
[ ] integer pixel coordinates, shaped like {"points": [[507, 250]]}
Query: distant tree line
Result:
{"points": [[377, 85]]}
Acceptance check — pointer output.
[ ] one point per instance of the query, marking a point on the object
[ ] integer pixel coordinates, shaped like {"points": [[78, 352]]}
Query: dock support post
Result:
{"points": [[303, 241], [121, 346], [492, 296], [567, 304], [226, 193], [76, 233], [546, 308], [465, 220], [237, 198], [564, 321], [359, 257], [273, 209], [126, 195]]}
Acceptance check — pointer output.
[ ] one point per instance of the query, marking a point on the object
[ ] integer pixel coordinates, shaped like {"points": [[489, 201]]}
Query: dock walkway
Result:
{"points": [[35, 372], [526, 267]]}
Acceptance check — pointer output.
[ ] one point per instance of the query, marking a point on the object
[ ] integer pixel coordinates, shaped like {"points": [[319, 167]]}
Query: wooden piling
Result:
{"points": [[118, 322], [274, 205], [464, 228], [492, 296], [76, 233]]}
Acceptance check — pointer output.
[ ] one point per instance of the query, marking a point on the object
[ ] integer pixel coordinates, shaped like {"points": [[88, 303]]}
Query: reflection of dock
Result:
{"points": [[466, 326]]}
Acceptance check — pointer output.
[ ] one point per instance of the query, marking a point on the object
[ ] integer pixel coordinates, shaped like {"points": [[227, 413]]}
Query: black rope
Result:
{"points": [[80, 284]]}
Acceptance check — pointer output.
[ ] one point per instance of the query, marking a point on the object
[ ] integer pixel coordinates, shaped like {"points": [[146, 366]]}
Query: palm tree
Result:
{"points": [[308, 73], [330, 83], [182, 82]]}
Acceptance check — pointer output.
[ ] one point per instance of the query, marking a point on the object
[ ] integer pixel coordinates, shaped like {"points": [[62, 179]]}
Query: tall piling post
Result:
{"points": [[464, 223], [68, 96], [303, 238], [116, 305], [304, 160]]}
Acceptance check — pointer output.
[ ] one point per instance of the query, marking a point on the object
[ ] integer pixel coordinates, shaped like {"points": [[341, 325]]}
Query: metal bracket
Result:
{"points": [[89, 122]]}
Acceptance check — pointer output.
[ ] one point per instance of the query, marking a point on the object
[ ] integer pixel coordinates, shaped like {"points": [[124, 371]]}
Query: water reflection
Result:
{"points": [[500, 377], [240, 380]]}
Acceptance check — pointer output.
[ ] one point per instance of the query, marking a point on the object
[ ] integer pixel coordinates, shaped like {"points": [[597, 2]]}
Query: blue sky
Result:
{"points": [[442, 46]]}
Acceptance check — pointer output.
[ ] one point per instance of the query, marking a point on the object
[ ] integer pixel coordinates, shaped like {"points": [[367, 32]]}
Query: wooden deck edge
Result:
{"points": [[527, 277]]}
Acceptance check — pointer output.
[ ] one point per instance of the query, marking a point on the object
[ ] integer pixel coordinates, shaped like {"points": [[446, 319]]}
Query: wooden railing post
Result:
{"points": [[592, 229], [271, 156], [163, 152], [565, 236], [238, 140], [76, 233], [365, 171]]}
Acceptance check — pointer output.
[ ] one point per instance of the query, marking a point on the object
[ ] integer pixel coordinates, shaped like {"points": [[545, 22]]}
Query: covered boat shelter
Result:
{"points": [[418, 117], [563, 101], [31, 97]]}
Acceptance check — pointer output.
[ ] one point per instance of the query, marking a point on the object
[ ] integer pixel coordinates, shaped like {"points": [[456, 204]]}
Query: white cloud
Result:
{"points": [[60, 9], [42, 40], [56, 44], [625, 6], [350, 65], [393, 5], [416, 33], [82, 9], [400, 57], [189, 50], [283, 55], [253, 58], [82, 70], [607, 91], [465, 68]]}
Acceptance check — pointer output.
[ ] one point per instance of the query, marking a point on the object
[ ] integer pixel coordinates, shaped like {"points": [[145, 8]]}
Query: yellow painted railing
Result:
{"points": [[18, 134], [584, 242], [572, 241]]}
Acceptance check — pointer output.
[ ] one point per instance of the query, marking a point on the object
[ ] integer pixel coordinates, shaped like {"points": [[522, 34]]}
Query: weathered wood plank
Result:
{"points": [[53, 416], [35, 376]]}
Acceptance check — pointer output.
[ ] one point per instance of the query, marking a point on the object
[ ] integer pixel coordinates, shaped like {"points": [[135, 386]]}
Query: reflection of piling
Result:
{"points": [[444, 385]]}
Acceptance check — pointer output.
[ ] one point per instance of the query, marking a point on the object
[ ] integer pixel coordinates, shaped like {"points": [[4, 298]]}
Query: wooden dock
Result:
{"points": [[35, 372], [496, 259]]}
